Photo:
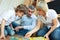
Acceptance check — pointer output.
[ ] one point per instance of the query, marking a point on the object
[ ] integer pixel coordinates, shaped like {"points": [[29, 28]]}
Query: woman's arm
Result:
{"points": [[54, 26], [2, 28]]}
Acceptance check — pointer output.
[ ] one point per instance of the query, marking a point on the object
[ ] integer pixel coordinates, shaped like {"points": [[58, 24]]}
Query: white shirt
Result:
{"points": [[9, 16], [51, 14]]}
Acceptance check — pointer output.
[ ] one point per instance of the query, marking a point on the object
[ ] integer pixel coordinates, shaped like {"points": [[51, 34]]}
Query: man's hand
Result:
{"points": [[47, 37], [28, 35]]}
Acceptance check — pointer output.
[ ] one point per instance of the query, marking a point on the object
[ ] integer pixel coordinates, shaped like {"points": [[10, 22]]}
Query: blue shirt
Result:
{"points": [[28, 22]]}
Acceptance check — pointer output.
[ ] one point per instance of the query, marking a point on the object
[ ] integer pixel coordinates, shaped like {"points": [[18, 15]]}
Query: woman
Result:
{"points": [[8, 17], [48, 17]]}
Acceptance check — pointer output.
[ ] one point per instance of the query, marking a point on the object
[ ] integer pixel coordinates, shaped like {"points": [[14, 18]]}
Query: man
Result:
{"points": [[28, 22]]}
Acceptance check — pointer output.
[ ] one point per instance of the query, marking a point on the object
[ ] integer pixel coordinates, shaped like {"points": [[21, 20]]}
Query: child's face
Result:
{"points": [[20, 14]]}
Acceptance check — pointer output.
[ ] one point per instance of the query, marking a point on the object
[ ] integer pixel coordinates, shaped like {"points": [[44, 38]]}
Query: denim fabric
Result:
{"points": [[55, 35], [8, 30]]}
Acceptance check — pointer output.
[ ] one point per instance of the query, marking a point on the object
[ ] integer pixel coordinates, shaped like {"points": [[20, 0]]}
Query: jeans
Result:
{"points": [[14, 24], [21, 31], [8, 30], [55, 35]]}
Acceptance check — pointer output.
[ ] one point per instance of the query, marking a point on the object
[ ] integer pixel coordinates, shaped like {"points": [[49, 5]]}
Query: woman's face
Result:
{"points": [[41, 12]]}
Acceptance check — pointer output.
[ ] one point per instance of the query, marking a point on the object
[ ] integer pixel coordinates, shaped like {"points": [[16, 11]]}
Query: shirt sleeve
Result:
{"points": [[54, 14], [7, 15]]}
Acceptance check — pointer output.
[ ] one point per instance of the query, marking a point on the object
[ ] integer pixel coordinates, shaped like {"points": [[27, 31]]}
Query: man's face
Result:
{"points": [[30, 12], [20, 14]]}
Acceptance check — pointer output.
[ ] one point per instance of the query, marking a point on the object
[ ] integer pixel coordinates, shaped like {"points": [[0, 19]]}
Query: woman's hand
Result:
{"points": [[2, 29], [47, 37], [28, 35], [2, 36]]}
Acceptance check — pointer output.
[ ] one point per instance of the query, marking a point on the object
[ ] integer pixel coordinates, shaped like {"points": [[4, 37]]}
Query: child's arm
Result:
{"points": [[11, 26], [18, 27]]}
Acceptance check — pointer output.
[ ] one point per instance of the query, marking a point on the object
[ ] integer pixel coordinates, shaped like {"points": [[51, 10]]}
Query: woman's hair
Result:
{"points": [[21, 8], [42, 5], [34, 3]]}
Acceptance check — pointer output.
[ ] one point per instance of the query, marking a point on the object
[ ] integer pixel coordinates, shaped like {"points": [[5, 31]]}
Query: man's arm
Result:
{"points": [[34, 30]]}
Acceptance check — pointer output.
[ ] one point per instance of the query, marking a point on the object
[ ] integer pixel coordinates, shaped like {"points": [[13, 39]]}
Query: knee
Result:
{"points": [[12, 33], [55, 35], [40, 33], [15, 24]]}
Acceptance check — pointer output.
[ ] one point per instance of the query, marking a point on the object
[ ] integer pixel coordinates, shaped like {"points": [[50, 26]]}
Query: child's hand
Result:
{"points": [[19, 27], [28, 35]]}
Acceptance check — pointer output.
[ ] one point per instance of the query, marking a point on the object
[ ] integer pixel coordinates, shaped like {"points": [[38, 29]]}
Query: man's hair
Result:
{"points": [[31, 7], [21, 8]]}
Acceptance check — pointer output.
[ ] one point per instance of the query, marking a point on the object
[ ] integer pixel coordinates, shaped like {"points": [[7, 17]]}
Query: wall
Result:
{"points": [[9, 4]]}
